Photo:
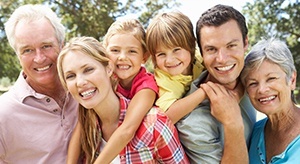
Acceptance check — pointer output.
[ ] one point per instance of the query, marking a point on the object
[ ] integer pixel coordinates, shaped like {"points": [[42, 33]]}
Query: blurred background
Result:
{"points": [[265, 18]]}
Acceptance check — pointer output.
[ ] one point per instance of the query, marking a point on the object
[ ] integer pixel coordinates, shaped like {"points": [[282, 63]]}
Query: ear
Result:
{"points": [[293, 80], [146, 57], [110, 68], [246, 43]]}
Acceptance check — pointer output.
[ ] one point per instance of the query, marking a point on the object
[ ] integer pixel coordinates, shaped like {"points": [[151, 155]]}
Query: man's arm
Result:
{"points": [[225, 108]]}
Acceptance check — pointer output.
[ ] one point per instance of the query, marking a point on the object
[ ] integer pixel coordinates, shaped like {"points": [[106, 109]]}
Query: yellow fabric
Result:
{"points": [[172, 88], [197, 65]]}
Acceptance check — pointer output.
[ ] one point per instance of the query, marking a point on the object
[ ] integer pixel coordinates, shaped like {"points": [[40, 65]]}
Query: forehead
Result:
{"points": [[33, 33], [265, 69], [70, 59], [124, 40], [220, 35]]}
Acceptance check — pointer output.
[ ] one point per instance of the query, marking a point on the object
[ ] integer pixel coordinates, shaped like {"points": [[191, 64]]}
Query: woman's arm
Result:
{"points": [[138, 107], [185, 105], [74, 145]]}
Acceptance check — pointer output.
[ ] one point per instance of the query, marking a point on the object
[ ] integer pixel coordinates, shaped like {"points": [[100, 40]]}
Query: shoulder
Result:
{"points": [[260, 125], [258, 129], [199, 121], [8, 102]]}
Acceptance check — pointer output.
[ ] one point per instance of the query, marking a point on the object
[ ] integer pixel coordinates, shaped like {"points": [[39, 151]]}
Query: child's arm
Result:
{"points": [[74, 145], [185, 105], [138, 107]]}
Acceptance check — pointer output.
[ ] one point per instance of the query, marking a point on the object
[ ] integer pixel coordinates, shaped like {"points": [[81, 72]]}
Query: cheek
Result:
{"points": [[250, 92], [207, 61], [25, 61], [113, 58], [185, 58], [53, 54], [71, 88], [159, 63]]}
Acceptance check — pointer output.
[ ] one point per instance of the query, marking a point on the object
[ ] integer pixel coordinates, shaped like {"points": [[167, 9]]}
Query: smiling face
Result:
{"points": [[127, 54], [223, 52], [86, 79], [37, 49], [174, 61], [268, 89]]}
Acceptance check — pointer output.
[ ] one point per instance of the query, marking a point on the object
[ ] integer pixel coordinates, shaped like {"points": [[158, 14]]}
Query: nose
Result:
{"points": [[169, 58], [122, 56], [81, 81], [39, 57], [221, 56], [263, 88]]}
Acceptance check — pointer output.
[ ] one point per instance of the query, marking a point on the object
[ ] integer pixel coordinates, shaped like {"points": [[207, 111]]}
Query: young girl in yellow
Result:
{"points": [[171, 42]]}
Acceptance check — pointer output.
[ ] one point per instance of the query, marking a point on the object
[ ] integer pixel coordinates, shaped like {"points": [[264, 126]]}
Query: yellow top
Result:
{"points": [[172, 88]]}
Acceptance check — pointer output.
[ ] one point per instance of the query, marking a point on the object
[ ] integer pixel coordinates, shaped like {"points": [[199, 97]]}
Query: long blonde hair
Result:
{"points": [[91, 133]]}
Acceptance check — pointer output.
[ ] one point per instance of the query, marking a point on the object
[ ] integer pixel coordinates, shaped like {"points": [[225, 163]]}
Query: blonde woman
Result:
{"points": [[102, 110]]}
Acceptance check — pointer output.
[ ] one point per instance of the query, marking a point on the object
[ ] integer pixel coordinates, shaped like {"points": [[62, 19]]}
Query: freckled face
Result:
{"points": [[268, 90]]}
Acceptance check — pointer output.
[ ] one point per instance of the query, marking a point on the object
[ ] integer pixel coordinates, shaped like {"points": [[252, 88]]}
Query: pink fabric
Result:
{"points": [[33, 128], [141, 81]]}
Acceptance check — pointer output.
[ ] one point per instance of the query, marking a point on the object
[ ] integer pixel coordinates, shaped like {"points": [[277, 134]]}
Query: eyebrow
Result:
{"points": [[83, 66], [232, 41]]}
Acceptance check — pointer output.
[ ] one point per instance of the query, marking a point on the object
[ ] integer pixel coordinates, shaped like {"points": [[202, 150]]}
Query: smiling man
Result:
{"points": [[37, 115], [218, 129]]}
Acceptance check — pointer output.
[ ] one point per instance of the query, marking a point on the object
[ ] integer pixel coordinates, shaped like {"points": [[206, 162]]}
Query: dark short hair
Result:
{"points": [[217, 16]]}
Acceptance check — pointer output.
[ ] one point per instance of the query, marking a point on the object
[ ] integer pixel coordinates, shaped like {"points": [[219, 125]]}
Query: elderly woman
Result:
{"points": [[269, 77]]}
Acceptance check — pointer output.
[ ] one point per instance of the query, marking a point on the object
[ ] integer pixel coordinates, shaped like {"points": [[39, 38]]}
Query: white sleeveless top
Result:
{"points": [[116, 160]]}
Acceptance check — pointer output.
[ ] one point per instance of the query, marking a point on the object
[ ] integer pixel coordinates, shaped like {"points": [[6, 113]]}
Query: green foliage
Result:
{"points": [[81, 18], [279, 18], [5, 82]]}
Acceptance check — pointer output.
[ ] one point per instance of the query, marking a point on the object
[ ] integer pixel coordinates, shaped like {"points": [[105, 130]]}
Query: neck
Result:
{"points": [[108, 111], [285, 120], [231, 85], [54, 90]]}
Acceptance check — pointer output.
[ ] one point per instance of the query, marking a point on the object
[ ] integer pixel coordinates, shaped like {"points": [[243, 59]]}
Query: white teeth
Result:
{"points": [[267, 99], [44, 68], [225, 68], [173, 65], [123, 66], [87, 93]]}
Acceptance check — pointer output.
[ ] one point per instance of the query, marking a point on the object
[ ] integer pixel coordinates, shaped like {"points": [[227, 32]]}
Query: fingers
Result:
{"points": [[224, 106], [214, 90]]}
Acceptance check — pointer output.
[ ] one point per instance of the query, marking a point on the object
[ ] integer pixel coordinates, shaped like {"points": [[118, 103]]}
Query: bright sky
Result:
{"points": [[193, 8]]}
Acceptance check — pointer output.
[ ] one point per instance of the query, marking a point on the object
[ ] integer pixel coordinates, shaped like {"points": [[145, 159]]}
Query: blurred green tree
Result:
{"points": [[81, 18], [275, 18]]}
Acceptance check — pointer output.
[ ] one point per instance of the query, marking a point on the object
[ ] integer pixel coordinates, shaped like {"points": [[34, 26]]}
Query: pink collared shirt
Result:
{"points": [[33, 128]]}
